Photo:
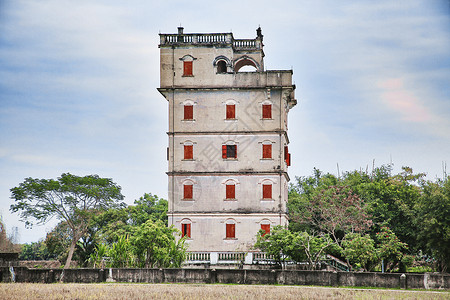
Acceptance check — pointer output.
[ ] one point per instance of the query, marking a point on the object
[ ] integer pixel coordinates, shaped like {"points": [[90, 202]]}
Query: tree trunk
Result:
{"points": [[71, 250]]}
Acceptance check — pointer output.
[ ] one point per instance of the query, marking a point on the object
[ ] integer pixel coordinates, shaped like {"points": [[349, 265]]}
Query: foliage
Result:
{"points": [[433, 221], [153, 244], [391, 249], [114, 223], [35, 251], [413, 212], [359, 250], [121, 253], [70, 198], [276, 243], [58, 240], [284, 245], [96, 259], [312, 247]]}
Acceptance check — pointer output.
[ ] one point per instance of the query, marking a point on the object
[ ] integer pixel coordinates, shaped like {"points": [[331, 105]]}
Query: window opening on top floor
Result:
{"points": [[221, 66], [187, 68], [267, 111]]}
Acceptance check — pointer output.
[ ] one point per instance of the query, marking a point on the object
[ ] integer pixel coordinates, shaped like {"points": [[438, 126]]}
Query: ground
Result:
{"points": [[200, 291]]}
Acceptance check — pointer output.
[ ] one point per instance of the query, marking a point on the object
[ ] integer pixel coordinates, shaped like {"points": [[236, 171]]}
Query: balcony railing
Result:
{"points": [[209, 38]]}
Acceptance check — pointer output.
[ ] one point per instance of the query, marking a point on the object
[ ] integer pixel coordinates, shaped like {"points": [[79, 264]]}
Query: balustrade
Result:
{"points": [[211, 38]]}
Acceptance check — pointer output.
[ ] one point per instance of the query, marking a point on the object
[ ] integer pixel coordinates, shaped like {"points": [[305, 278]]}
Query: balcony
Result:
{"points": [[203, 39]]}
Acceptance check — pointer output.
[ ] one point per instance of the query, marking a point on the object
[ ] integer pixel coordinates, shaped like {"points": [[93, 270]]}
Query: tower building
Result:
{"points": [[228, 144]]}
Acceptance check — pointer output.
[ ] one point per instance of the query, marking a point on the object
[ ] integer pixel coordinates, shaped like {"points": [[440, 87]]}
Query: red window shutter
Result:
{"points": [[187, 68], [230, 231], [186, 230], [266, 228], [187, 191], [188, 152], [188, 112], [267, 111], [231, 111], [267, 191], [267, 151], [289, 159], [224, 151], [230, 191]]}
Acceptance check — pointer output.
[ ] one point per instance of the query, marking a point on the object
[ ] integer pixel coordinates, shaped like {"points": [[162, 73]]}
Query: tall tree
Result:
{"points": [[433, 221], [70, 198]]}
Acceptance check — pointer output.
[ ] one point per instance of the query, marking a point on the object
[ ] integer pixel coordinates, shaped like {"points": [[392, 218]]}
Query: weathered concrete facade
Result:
{"points": [[228, 145]]}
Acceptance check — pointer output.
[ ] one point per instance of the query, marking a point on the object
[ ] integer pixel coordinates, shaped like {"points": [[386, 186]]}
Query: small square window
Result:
{"points": [[231, 231], [229, 151], [267, 151], [188, 152], [230, 191], [231, 111], [267, 111], [187, 68], [266, 228], [186, 230], [188, 112], [267, 191], [187, 191]]}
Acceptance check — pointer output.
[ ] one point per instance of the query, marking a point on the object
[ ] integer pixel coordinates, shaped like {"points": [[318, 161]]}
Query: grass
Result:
{"points": [[198, 291]]}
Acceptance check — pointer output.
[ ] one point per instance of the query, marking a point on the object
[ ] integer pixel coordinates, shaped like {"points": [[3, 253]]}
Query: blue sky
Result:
{"points": [[78, 86]]}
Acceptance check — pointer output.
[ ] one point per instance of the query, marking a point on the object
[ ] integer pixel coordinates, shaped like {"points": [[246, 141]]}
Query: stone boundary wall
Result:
{"points": [[293, 277]]}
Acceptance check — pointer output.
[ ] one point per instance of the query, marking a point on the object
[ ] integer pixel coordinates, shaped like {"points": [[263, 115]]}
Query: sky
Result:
{"points": [[78, 84]]}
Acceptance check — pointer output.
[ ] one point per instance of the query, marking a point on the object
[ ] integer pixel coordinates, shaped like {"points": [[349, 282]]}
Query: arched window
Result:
{"points": [[266, 148], [229, 150], [230, 229], [188, 110], [186, 228], [266, 109], [221, 63], [188, 150], [245, 61], [188, 65], [265, 226], [221, 67], [230, 109], [188, 189], [267, 189]]}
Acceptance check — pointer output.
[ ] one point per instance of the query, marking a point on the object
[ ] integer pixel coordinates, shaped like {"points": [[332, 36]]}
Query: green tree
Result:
{"points": [[114, 223], [313, 248], [70, 198], [153, 244], [121, 253], [322, 204], [35, 251], [433, 221], [277, 243], [390, 248], [96, 258], [359, 250]]}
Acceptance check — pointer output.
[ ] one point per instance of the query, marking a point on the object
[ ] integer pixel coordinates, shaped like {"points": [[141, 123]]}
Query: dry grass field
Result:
{"points": [[198, 291]]}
